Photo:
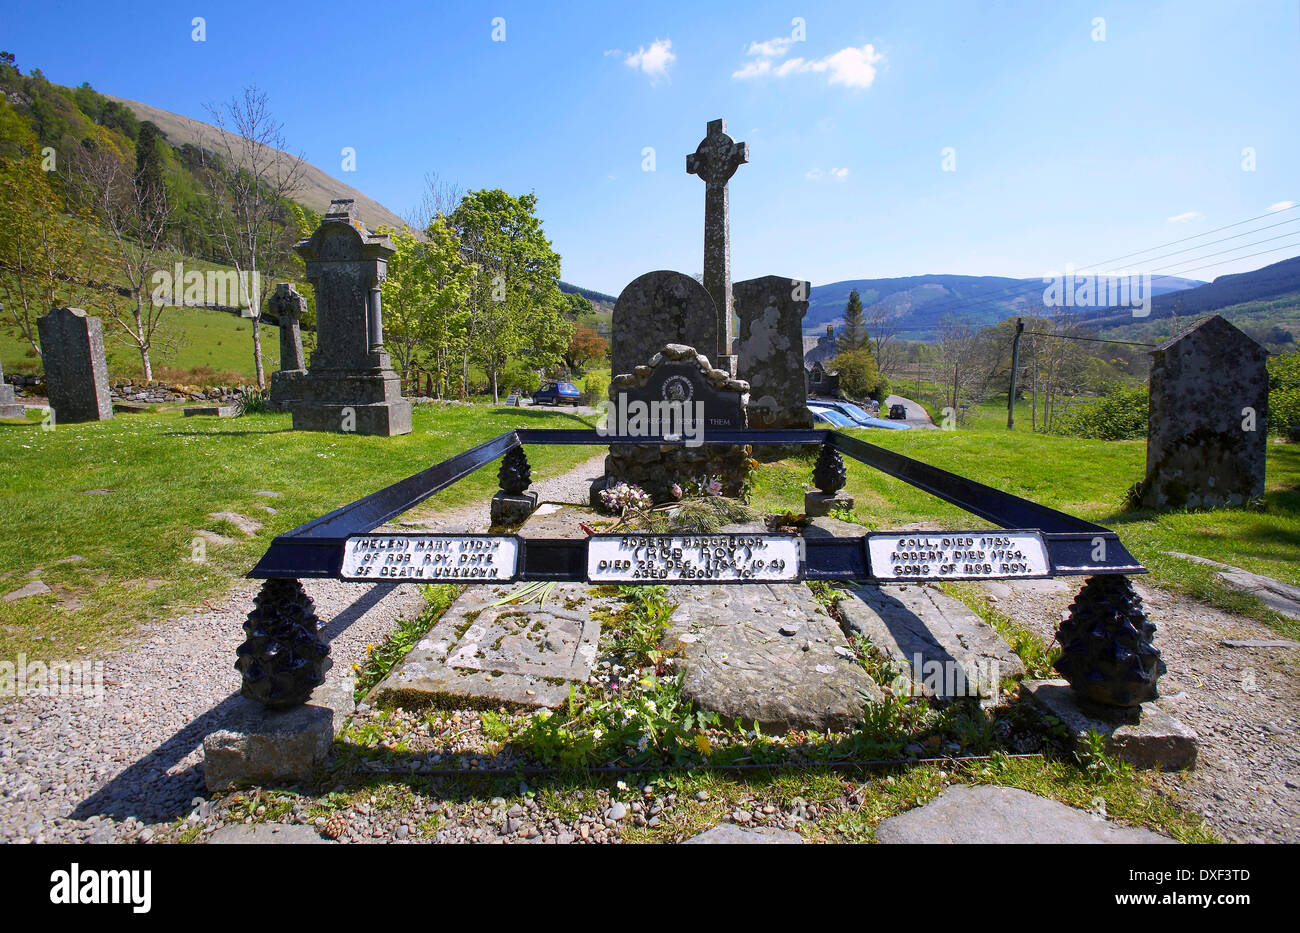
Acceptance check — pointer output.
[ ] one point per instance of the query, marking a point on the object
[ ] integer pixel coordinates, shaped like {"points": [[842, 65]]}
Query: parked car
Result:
{"points": [[553, 393], [859, 416], [829, 416], [898, 412]]}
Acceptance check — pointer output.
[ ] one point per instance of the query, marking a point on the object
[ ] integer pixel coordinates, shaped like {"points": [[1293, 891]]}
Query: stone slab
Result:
{"points": [[386, 419], [817, 504], [1278, 596], [216, 411], [484, 656], [1156, 740], [986, 815], [1251, 643], [729, 834], [76, 369], [766, 654], [511, 508], [940, 646], [131, 408], [35, 588], [265, 834], [258, 746]]}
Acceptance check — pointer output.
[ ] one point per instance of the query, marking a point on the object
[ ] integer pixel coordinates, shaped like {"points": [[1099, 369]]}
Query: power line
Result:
{"points": [[1235, 258], [1131, 343], [1198, 235]]}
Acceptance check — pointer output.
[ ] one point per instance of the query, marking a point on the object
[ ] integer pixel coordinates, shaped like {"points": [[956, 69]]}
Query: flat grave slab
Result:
{"points": [[484, 656], [940, 646], [1005, 815]]}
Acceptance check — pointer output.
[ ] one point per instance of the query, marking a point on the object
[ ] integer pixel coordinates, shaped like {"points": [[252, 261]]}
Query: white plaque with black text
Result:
{"points": [[702, 558], [957, 555], [430, 557]]}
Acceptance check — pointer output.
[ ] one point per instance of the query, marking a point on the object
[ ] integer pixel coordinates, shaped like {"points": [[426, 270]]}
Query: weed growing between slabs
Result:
{"points": [[633, 727]]}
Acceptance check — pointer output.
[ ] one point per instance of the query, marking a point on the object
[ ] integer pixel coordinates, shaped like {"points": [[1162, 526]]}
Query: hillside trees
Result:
{"points": [[250, 181], [854, 335], [516, 309], [130, 204], [47, 256]]}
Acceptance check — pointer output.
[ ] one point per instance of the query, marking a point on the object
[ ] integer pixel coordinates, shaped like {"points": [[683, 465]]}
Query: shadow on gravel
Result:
{"points": [[145, 789]]}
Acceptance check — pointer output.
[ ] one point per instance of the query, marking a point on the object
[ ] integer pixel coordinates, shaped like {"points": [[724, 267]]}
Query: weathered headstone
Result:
{"points": [[76, 371], [771, 311], [289, 307], [655, 309], [9, 406], [350, 385], [715, 160], [677, 375], [1207, 427]]}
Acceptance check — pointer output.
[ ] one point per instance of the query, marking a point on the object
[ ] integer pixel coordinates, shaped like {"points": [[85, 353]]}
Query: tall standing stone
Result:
{"points": [[350, 385], [76, 371], [715, 160], [1208, 421], [659, 308], [289, 307], [9, 406], [771, 311]]}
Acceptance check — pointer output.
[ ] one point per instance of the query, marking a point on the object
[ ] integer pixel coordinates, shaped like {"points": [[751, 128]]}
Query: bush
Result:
{"points": [[859, 376], [596, 384], [1283, 391], [518, 375], [1121, 414]]}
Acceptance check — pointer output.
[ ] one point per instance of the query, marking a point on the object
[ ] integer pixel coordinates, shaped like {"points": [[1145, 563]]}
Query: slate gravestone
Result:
{"points": [[715, 160], [289, 307], [655, 309], [771, 311], [1208, 420], [350, 384], [681, 375], [76, 372], [9, 406]]}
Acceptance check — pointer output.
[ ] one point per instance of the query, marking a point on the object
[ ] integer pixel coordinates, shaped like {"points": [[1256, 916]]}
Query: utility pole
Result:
{"points": [[1015, 366]]}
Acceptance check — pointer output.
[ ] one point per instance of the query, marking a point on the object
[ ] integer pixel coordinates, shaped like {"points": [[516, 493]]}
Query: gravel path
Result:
{"points": [[1243, 703], [76, 769]]}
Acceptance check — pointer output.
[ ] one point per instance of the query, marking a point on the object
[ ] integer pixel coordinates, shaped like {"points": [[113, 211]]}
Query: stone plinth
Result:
{"points": [[350, 386], [512, 508], [1152, 739], [76, 371], [260, 746], [1207, 431], [658, 308], [817, 503], [9, 406], [771, 311]]}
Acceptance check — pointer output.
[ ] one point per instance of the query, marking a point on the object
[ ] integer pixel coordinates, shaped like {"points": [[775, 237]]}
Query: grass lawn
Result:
{"points": [[1086, 478], [123, 556]]}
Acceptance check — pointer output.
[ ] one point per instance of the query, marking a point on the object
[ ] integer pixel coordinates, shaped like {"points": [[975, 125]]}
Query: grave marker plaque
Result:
{"points": [[957, 555], [433, 557], [695, 558]]}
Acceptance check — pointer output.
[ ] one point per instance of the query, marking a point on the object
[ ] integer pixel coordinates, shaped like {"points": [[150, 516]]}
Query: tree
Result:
{"points": [[516, 307], [585, 346], [131, 206], [47, 257], [854, 335], [250, 179], [881, 325], [859, 376]]}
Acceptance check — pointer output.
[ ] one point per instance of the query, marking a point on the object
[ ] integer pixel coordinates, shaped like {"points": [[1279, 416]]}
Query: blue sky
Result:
{"points": [[1067, 149]]}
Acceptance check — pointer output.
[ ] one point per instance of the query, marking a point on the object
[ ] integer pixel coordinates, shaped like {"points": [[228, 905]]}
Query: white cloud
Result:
{"points": [[852, 66], [839, 174], [1184, 218], [772, 48], [814, 174], [1281, 206], [653, 61]]}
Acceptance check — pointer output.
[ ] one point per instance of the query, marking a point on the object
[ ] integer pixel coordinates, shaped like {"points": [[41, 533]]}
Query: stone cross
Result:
{"points": [[715, 160], [289, 307]]}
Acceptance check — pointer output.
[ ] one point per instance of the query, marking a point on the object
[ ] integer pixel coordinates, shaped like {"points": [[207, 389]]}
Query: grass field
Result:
{"points": [[120, 556], [1085, 478]]}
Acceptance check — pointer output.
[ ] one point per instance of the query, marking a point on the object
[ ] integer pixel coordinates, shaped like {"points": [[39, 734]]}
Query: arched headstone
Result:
{"points": [[659, 308]]}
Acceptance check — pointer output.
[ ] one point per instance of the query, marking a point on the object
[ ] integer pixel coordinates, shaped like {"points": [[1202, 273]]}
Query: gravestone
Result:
{"points": [[289, 307], [9, 405], [350, 385], [715, 160], [677, 374], [1207, 428], [76, 372], [771, 311], [655, 309]]}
